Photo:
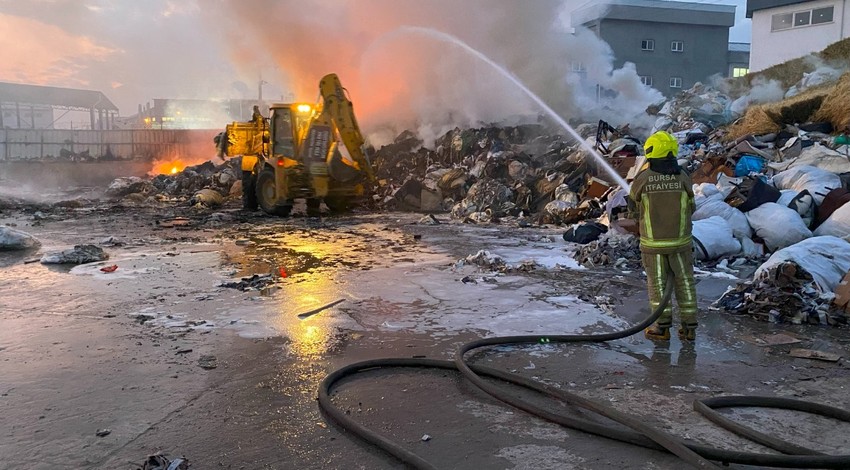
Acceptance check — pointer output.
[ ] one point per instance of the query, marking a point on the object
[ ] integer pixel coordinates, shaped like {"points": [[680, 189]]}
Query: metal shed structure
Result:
{"points": [[24, 106]]}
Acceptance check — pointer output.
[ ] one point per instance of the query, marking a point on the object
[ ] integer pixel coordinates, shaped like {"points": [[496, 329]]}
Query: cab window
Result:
{"points": [[283, 143]]}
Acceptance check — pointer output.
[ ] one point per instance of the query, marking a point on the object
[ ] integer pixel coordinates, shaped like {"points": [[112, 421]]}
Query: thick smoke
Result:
{"points": [[400, 79]]}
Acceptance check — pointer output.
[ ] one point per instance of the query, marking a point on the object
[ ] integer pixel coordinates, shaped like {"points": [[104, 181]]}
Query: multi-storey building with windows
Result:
{"points": [[672, 44], [787, 29]]}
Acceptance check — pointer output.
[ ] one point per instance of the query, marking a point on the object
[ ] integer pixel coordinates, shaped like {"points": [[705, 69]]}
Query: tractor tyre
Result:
{"points": [[266, 197]]}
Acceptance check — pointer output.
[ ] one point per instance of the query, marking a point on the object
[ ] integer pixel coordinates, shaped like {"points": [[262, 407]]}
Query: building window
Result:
{"points": [[740, 71], [647, 45], [822, 15], [577, 67], [802, 18], [781, 21], [677, 46], [799, 19], [675, 82], [646, 80]]}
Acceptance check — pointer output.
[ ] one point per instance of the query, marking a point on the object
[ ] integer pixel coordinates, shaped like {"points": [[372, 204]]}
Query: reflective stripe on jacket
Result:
{"points": [[664, 205]]}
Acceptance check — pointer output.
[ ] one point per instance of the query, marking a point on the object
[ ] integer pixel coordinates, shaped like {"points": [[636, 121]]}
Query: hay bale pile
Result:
{"points": [[830, 103], [836, 105]]}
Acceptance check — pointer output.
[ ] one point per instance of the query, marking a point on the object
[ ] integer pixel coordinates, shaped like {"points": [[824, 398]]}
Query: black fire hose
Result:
{"points": [[639, 433]]}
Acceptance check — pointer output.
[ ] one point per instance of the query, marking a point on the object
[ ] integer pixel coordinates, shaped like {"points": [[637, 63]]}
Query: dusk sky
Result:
{"points": [[135, 51]]}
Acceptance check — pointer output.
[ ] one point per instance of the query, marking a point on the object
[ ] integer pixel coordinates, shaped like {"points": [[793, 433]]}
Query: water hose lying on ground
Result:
{"points": [[638, 432]]}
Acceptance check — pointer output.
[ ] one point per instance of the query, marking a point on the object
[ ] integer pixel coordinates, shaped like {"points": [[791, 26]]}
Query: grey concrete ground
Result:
{"points": [[83, 351]]}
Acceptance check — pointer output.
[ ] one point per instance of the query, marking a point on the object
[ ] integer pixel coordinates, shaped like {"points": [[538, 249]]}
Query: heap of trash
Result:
{"points": [[206, 185], [770, 180]]}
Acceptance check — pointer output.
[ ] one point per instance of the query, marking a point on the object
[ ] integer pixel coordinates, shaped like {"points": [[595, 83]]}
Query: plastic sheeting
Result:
{"points": [[778, 226], [736, 219], [837, 225], [818, 182], [826, 258], [11, 239], [713, 239], [816, 156]]}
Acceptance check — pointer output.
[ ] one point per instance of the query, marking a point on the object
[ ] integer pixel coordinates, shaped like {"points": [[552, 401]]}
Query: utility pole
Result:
{"points": [[260, 90]]}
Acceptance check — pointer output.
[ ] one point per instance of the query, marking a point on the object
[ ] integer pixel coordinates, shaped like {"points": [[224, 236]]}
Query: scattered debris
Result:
{"points": [[103, 432], [425, 438], [109, 269], [255, 282], [778, 339], [80, 254], [310, 313], [208, 362], [611, 249], [207, 198], [11, 239], [812, 354], [160, 462]]}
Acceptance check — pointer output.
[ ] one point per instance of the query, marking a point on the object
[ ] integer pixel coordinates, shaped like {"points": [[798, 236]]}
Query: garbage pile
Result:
{"points": [[484, 174], [796, 284], [770, 178], [206, 184]]}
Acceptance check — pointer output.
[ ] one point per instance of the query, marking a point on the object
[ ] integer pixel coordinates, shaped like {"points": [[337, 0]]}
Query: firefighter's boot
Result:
{"points": [[657, 332], [688, 332]]}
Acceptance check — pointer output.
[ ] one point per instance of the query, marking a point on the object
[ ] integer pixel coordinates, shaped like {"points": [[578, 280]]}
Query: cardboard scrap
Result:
{"points": [[777, 339], [812, 354], [842, 293]]}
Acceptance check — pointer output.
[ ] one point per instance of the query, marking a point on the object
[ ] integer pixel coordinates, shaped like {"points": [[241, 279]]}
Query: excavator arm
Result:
{"points": [[338, 110]]}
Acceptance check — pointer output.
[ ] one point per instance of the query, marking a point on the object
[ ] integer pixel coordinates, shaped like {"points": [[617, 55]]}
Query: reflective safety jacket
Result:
{"points": [[663, 205]]}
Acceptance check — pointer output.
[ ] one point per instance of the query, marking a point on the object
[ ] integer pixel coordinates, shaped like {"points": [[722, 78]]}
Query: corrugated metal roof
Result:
{"points": [[739, 47], [55, 96]]}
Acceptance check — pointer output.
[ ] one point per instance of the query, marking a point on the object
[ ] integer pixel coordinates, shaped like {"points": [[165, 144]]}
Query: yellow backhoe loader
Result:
{"points": [[302, 150]]}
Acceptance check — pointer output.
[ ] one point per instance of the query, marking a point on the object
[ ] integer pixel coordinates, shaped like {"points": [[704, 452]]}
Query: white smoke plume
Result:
{"points": [[401, 80], [762, 91]]}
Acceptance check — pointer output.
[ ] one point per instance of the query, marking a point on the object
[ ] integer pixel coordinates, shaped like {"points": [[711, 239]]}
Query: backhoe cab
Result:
{"points": [[296, 153]]}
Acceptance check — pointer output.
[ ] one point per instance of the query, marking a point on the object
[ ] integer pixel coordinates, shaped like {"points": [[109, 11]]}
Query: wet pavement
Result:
{"points": [[166, 359]]}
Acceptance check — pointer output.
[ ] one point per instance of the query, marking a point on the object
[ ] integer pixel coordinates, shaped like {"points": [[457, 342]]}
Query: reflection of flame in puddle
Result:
{"points": [[313, 336]]}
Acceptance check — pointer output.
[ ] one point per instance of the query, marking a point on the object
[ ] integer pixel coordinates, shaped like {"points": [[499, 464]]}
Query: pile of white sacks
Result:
{"points": [[809, 255], [721, 230]]}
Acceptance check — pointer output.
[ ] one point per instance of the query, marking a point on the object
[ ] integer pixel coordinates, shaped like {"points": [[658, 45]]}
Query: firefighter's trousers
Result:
{"points": [[682, 265]]}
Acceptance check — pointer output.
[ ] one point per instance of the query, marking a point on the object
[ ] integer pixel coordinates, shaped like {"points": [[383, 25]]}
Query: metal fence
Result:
{"points": [[104, 145]]}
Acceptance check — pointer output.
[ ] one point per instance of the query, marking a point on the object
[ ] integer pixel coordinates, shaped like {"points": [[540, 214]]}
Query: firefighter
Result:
{"points": [[662, 199]]}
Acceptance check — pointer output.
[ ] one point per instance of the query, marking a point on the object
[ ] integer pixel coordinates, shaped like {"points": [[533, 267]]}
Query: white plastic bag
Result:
{"points": [[837, 225], [706, 190], [713, 239], [751, 249], [827, 259], [817, 156], [817, 181], [727, 184], [786, 196], [736, 219], [778, 226]]}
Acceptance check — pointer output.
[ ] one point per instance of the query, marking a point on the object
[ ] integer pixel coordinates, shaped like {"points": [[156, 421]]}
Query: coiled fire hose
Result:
{"points": [[638, 432]]}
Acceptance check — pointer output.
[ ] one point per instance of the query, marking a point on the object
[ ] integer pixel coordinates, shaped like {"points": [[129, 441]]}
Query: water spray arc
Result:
{"points": [[441, 36]]}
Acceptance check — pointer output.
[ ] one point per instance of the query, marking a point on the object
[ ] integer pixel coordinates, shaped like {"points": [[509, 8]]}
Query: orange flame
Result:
{"points": [[167, 167]]}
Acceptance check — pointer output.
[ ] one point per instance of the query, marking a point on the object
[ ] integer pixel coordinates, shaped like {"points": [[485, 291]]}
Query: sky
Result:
{"points": [[138, 50]]}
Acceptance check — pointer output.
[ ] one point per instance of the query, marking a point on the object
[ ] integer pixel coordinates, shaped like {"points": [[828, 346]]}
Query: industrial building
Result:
{"points": [[672, 44], [40, 107]]}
